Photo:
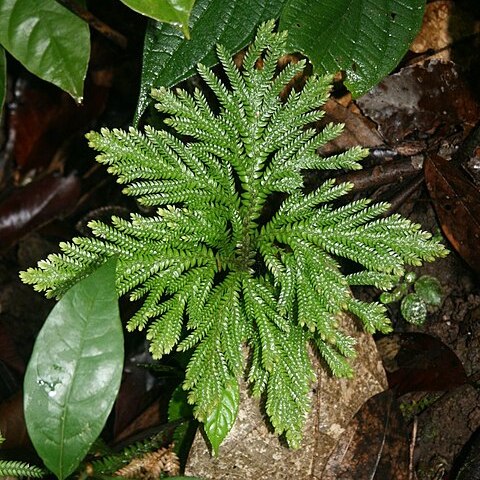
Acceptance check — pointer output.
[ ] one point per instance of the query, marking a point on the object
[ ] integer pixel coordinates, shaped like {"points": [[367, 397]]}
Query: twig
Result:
{"points": [[389, 172], [398, 200], [95, 23], [382, 152], [411, 473]]}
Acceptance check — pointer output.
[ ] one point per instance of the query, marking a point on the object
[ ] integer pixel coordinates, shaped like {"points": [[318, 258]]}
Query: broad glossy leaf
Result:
{"points": [[364, 38], [169, 58], [175, 12], [74, 372], [48, 40], [221, 419], [3, 77]]}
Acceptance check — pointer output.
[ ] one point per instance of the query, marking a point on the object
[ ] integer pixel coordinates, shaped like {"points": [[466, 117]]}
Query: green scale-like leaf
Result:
{"points": [[220, 266], [10, 468]]}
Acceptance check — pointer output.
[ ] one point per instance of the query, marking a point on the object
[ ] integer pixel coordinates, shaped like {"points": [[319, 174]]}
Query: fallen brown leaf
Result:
{"points": [[444, 23], [420, 101], [457, 203], [375, 444], [419, 362], [36, 204], [358, 130]]}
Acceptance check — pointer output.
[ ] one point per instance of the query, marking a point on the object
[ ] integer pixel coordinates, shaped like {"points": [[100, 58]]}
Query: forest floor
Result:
{"points": [[422, 125]]}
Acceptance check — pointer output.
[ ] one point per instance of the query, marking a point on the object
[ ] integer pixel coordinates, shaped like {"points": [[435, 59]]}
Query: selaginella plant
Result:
{"points": [[12, 468], [217, 268]]}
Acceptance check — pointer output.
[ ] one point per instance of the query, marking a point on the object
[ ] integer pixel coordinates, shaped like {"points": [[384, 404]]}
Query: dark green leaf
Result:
{"points": [[3, 78], [168, 58], [429, 289], [396, 295], [413, 309], [48, 40], [178, 407], [221, 419], [175, 12], [364, 38], [74, 373]]}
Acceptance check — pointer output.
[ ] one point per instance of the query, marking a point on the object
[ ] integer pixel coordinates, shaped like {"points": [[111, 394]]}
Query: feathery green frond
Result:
{"points": [[221, 268], [10, 468]]}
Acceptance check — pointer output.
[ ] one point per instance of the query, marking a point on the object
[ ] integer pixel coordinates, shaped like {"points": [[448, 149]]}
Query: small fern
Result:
{"points": [[215, 273], [11, 468]]}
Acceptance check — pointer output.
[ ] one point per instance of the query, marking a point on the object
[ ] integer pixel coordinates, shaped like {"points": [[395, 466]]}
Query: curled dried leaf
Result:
{"points": [[151, 465]]}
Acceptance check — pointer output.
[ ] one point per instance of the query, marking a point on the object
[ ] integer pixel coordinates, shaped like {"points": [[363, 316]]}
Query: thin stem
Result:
{"points": [[95, 23]]}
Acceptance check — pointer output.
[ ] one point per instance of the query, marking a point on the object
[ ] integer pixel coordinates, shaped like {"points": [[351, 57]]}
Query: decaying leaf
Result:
{"points": [[139, 400], [444, 22], [41, 117], [374, 445], [35, 205], [150, 417], [421, 100], [457, 203], [420, 362], [252, 451], [8, 352], [151, 465], [359, 130]]}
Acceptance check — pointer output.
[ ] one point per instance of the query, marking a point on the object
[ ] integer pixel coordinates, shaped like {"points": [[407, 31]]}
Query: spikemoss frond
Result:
{"points": [[10, 468], [13, 468], [220, 266]]}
